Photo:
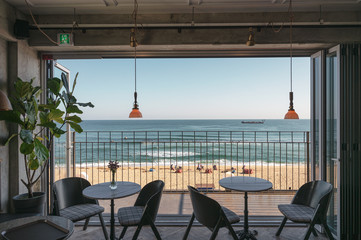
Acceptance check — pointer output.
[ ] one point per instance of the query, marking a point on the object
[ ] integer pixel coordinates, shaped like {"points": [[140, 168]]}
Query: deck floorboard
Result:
{"points": [[179, 203]]}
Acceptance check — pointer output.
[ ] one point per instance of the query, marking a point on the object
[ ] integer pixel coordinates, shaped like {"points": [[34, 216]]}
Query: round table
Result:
{"points": [[61, 222], [102, 191], [246, 184]]}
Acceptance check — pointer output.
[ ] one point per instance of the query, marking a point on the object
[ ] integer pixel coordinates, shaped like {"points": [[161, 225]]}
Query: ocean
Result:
{"points": [[195, 125], [185, 142]]}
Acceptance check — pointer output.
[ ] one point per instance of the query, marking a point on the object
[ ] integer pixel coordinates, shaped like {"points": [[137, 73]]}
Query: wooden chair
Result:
{"points": [[309, 205], [70, 203], [209, 213], [144, 211]]}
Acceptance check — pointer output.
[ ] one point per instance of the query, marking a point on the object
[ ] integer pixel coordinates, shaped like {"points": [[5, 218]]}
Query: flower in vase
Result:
{"points": [[113, 165]]}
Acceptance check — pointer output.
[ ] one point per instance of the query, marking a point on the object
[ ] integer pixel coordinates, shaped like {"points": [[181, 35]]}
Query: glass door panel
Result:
{"points": [[316, 70], [332, 131]]}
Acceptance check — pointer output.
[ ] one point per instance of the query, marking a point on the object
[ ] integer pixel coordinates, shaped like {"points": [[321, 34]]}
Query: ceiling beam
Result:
{"points": [[352, 17]]}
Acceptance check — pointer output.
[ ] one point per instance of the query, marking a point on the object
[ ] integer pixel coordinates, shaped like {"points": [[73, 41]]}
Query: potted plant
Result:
{"points": [[33, 120]]}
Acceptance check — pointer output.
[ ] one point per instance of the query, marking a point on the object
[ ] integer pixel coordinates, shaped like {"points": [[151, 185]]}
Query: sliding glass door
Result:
{"points": [[332, 131], [325, 124]]}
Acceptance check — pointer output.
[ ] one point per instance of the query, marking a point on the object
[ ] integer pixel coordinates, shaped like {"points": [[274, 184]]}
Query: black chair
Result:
{"points": [[309, 205], [70, 203], [144, 211], [210, 214]]}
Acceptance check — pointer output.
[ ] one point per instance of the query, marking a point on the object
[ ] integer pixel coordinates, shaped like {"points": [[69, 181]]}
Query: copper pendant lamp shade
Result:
{"points": [[291, 114], [135, 113], [4, 102]]}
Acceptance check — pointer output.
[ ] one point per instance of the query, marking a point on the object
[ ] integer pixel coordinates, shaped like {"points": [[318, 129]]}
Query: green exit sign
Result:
{"points": [[65, 39]]}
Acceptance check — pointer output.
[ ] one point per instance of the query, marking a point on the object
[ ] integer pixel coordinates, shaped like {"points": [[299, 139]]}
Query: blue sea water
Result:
{"points": [[195, 125], [190, 141]]}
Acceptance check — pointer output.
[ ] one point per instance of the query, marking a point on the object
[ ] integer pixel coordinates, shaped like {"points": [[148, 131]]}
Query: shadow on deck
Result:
{"points": [[176, 208]]}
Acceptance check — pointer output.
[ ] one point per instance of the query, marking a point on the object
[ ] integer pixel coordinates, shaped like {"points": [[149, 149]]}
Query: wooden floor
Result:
{"points": [[176, 208], [180, 204], [196, 233]]}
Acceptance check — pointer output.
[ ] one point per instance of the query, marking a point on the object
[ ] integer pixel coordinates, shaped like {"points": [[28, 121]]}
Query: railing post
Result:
{"points": [[308, 155], [73, 147]]}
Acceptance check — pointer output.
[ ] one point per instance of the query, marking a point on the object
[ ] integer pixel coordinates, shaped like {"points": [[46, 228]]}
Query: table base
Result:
{"points": [[247, 234]]}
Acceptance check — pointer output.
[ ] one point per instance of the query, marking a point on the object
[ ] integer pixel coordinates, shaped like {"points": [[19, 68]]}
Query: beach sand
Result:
{"points": [[282, 177]]}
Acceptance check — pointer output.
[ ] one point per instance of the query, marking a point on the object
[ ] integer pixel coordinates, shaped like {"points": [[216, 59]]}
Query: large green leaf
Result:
{"points": [[11, 137], [33, 162], [88, 104], [56, 115], [17, 104], [11, 116], [54, 85], [72, 99], [65, 83], [74, 109], [74, 118], [36, 91], [74, 83], [41, 152], [44, 117], [23, 89], [76, 127], [42, 107], [57, 132], [26, 136], [48, 125], [30, 112], [26, 149]]}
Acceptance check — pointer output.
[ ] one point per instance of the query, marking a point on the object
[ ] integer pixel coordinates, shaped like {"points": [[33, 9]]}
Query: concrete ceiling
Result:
{"points": [[42, 7], [191, 28]]}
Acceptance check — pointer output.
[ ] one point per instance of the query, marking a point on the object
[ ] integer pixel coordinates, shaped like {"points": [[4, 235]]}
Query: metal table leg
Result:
{"points": [[246, 233], [112, 228]]}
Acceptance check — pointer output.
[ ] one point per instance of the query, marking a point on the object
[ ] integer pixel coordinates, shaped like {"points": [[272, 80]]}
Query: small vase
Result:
{"points": [[113, 183]]}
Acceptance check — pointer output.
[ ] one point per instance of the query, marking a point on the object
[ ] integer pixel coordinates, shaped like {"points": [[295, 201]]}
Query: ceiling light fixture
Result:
{"points": [[135, 113], [291, 114], [4, 102], [250, 41]]}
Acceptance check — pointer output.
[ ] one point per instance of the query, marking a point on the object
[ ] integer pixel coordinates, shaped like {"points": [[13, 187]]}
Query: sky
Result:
{"points": [[192, 88]]}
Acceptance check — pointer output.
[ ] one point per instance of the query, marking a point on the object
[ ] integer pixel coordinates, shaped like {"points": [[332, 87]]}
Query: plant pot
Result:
{"points": [[23, 204]]}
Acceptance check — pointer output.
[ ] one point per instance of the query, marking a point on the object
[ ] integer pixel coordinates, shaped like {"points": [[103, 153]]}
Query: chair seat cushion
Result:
{"points": [[231, 216], [81, 211], [130, 216], [296, 212]]}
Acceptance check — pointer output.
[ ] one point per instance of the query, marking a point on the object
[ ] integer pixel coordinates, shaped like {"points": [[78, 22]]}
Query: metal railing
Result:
{"points": [[181, 158]]}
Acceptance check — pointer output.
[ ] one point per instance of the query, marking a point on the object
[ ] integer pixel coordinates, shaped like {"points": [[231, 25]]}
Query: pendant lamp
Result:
{"points": [[250, 41], [135, 113], [4, 102], [291, 114]]}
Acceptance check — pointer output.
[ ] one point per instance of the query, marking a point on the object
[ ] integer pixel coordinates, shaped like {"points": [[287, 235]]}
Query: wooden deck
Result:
{"points": [[175, 210], [196, 233], [259, 204]]}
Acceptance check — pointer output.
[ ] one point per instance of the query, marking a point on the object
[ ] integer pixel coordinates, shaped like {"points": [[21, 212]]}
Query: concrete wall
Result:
{"points": [[4, 131], [17, 59]]}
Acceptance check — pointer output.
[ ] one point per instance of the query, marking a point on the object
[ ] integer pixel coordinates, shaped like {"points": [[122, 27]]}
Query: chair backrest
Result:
{"points": [[151, 194], [148, 191], [68, 192], [313, 193], [206, 210]]}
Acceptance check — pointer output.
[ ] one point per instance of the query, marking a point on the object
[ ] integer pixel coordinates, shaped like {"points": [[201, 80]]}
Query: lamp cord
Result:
{"points": [[135, 68], [291, 20], [135, 12], [36, 24]]}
